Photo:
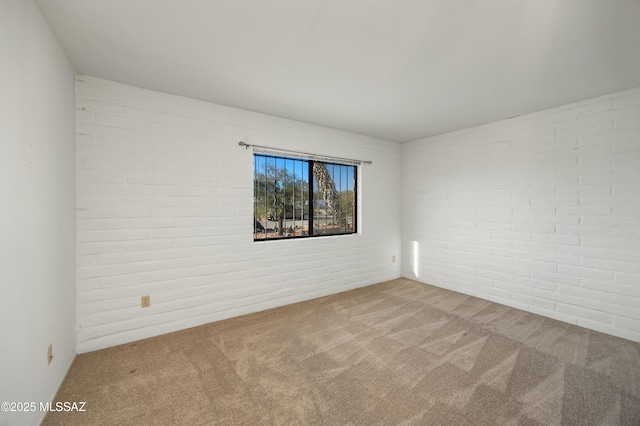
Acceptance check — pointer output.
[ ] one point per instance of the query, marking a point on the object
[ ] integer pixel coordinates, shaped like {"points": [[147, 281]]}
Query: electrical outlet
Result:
{"points": [[393, 259], [145, 301], [49, 354]]}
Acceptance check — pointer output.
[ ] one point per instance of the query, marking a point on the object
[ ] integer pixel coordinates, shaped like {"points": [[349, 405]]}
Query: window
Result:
{"points": [[298, 197]]}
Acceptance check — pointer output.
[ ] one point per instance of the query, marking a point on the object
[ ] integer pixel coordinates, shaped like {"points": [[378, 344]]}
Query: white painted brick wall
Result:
{"points": [[164, 207], [540, 212]]}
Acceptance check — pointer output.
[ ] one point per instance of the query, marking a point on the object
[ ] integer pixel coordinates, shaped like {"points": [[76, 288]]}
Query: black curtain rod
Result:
{"points": [[306, 154]]}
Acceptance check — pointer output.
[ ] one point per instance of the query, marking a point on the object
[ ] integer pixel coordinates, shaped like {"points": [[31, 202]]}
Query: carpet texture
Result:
{"points": [[395, 353]]}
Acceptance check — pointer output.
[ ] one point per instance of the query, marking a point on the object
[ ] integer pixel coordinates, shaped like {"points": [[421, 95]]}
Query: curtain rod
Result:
{"points": [[306, 154]]}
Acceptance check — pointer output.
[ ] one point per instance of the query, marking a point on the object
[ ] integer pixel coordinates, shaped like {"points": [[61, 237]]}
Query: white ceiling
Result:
{"points": [[399, 70]]}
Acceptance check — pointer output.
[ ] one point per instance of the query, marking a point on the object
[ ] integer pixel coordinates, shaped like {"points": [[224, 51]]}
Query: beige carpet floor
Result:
{"points": [[395, 353]]}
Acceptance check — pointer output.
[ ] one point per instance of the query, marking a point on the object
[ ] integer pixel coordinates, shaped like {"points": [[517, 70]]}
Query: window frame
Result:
{"points": [[310, 198]]}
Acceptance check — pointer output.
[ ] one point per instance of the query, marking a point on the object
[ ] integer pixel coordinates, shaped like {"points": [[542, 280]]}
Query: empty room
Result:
{"points": [[305, 212]]}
